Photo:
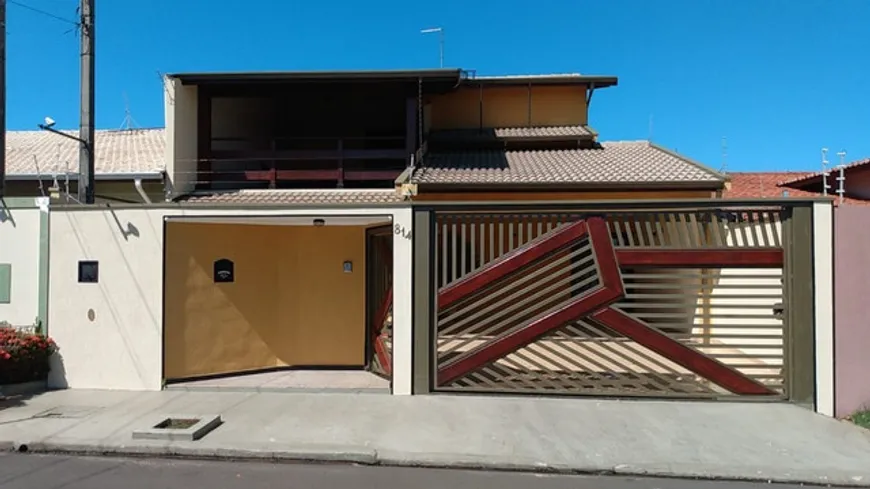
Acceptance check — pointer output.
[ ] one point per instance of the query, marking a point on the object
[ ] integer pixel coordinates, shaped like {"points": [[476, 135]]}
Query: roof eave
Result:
{"points": [[565, 186], [590, 80], [316, 76]]}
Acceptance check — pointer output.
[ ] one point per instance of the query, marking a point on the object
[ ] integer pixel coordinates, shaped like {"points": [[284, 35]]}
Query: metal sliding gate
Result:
{"points": [[687, 302]]}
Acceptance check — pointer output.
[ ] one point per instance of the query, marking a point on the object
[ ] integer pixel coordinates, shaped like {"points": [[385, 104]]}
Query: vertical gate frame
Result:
{"points": [[423, 292], [799, 337]]}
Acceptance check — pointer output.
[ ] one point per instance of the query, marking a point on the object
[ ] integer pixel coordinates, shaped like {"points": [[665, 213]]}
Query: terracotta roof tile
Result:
{"points": [[635, 162], [766, 185], [753, 185], [122, 151], [508, 133], [298, 197]]}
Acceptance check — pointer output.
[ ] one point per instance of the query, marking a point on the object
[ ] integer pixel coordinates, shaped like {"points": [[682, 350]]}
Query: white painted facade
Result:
{"points": [[180, 114], [110, 333], [19, 247]]}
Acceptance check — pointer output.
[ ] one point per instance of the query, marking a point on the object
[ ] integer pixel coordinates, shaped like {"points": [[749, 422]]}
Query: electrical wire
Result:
{"points": [[42, 12]]}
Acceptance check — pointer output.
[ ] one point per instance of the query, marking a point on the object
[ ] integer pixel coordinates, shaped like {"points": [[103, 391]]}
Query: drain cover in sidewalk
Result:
{"points": [[68, 412], [185, 427]]}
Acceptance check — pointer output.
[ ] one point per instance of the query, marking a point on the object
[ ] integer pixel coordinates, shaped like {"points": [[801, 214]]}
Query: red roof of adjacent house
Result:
{"points": [[808, 176], [767, 185]]}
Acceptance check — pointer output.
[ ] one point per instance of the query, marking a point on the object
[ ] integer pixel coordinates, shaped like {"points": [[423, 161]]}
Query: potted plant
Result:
{"points": [[24, 358]]}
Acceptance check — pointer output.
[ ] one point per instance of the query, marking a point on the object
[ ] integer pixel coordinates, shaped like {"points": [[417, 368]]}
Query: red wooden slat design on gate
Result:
{"points": [[679, 353], [519, 338], [701, 258], [378, 341], [609, 290], [510, 262], [605, 254]]}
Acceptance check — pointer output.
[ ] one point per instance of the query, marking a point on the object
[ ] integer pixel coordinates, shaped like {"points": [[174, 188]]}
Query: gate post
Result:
{"points": [[823, 298], [424, 226], [799, 338]]}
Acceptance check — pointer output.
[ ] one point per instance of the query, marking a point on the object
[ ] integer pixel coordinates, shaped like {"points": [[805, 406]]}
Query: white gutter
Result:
{"points": [[138, 184]]}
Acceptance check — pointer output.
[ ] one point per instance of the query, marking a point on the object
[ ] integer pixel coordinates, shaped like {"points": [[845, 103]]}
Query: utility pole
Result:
{"points": [[2, 98], [86, 121]]}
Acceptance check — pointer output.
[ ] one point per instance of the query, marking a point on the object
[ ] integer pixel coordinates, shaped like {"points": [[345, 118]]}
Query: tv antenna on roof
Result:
{"points": [[129, 122], [724, 168], [825, 162], [440, 32], [841, 177]]}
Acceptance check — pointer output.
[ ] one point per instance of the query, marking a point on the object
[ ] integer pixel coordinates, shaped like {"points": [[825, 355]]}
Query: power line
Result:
{"points": [[42, 12]]}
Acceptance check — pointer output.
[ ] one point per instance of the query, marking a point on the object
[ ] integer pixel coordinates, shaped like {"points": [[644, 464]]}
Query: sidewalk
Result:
{"points": [[754, 441]]}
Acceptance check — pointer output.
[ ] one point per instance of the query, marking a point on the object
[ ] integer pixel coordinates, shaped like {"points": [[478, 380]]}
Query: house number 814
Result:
{"points": [[400, 230]]}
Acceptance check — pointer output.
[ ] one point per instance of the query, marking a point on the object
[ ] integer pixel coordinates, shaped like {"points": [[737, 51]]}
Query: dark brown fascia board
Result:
{"points": [[567, 187], [446, 75], [459, 141], [593, 81], [544, 139]]}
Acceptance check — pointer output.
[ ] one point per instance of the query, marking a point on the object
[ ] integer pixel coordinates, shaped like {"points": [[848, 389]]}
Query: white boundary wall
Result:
{"points": [[111, 333], [20, 247]]}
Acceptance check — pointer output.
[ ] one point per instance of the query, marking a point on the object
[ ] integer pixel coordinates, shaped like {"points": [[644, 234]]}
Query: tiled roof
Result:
{"points": [[752, 185], [508, 133], [298, 197], [120, 151], [812, 175], [766, 185], [634, 162]]}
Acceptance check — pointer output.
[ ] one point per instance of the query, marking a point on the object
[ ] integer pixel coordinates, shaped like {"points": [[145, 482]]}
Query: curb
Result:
{"points": [[320, 454], [368, 456]]}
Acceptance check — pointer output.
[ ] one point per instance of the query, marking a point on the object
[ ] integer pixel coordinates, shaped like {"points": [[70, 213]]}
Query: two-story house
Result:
{"points": [[446, 133], [288, 239]]}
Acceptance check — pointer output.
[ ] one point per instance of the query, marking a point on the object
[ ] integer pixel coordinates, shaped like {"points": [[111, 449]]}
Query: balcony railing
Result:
{"points": [[338, 160]]}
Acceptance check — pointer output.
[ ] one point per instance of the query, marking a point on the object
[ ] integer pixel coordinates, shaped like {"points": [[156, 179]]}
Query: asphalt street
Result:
{"points": [[29, 471]]}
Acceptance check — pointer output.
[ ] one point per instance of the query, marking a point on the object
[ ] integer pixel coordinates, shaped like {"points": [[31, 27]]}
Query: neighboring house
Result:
{"points": [[128, 163], [433, 231], [856, 184]]}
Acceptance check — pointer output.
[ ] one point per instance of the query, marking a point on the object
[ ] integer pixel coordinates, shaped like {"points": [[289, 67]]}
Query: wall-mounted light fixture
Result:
{"points": [[319, 222]]}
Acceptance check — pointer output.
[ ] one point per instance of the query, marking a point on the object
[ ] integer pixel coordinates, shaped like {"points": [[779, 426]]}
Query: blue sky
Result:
{"points": [[779, 79]]}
